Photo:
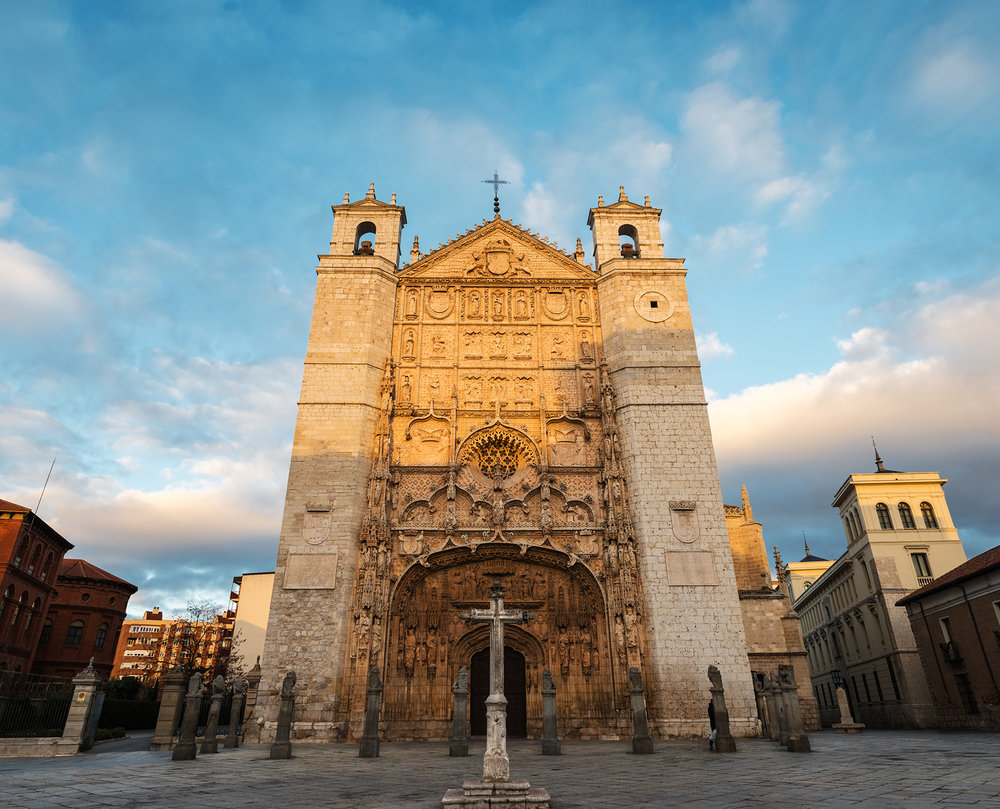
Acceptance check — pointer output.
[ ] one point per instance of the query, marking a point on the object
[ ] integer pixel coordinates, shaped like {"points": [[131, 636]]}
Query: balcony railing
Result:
{"points": [[922, 580]]}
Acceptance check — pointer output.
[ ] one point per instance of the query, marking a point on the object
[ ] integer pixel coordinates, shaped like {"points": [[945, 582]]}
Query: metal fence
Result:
{"points": [[33, 705], [225, 714]]}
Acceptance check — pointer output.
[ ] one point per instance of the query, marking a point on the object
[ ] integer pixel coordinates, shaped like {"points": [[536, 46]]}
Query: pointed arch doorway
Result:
{"points": [[514, 688]]}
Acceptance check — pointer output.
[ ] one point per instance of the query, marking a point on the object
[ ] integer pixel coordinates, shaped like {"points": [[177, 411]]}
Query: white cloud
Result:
{"points": [[935, 381], [710, 346], [951, 78], [724, 59], [37, 293], [733, 136], [6, 209], [800, 194], [734, 245]]}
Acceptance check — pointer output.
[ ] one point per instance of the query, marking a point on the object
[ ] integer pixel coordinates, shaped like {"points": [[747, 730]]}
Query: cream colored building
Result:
{"points": [[251, 603], [802, 575], [499, 407], [900, 535]]}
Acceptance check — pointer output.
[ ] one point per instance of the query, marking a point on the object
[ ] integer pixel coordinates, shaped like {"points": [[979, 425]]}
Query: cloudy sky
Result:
{"points": [[829, 170]]}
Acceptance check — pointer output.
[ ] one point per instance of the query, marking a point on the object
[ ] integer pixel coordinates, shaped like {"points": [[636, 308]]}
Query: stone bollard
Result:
{"points": [[232, 739], [369, 746], [460, 715], [724, 742], [798, 741], [550, 732], [758, 696], [210, 744], [773, 712], [85, 709], [251, 733], [186, 749], [641, 741], [168, 718], [846, 723], [282, 747]]}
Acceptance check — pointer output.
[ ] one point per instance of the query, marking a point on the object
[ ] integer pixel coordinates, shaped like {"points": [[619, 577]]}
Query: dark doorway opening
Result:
{"points": [[514, 688]]}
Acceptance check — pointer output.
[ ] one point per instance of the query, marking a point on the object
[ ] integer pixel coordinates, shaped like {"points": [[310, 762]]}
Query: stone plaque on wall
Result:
{"points": [[687, 568], [311, 571]]}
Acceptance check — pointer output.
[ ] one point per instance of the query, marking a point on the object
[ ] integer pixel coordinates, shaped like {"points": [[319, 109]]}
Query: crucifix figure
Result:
{"points": [[496, 182], [496, 765]]}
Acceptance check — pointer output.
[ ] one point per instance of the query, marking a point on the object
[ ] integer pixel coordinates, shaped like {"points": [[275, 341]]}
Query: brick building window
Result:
{"points": [[74, 634], [8, 594], [46, 632], [884, 518], [906, 516], [102, 634], [927, 512], [31, 615], [966, 693]]}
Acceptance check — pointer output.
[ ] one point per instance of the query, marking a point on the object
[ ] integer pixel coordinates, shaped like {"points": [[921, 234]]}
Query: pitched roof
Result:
{"points": [[977, 564], [6, 505], [82, 569]]}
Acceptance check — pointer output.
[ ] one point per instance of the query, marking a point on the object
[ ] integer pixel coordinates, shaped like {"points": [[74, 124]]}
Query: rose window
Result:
{"points": [[499, 453]]}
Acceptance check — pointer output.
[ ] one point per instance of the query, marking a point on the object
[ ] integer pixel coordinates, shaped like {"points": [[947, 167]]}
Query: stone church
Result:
{"points": [[499, 408]]}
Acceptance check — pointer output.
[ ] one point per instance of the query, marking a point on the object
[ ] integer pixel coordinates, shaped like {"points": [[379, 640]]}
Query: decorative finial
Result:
{"points": [[415, 250], [496, 182], [878, 460], [393, 200], [805, 543], [622, 196], [600, 200], [745, 499], [347, 198], [579, 254], [371, 191], [647, 203]]}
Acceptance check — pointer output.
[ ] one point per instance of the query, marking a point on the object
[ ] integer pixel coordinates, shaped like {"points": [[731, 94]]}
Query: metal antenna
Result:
{"points": [[496, 182]]}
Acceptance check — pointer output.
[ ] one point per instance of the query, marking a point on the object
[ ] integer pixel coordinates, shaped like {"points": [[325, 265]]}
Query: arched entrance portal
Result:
{"points": [[514, 689]]}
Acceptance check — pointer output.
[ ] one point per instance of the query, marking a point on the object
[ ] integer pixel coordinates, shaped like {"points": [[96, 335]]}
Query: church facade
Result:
{"points": [[501, 409]]}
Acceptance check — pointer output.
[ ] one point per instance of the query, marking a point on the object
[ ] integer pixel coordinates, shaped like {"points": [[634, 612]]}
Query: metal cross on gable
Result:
{"points": [[496, 182]]}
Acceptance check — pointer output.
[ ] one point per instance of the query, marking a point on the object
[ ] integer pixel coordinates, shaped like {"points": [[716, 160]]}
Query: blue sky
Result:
{"points": [[829, 170]]}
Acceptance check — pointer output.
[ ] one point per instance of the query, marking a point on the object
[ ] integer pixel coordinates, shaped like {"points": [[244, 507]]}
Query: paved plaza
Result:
{"points": [[901, 769]]}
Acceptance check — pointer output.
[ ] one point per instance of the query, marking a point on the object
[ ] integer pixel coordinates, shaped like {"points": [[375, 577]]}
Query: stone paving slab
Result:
{"points": [[884, 769]]}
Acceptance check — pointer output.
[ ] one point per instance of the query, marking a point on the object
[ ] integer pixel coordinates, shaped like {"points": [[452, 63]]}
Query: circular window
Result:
{"points": [[111, 600], [653, 305], [85, 597], [499, 453]]}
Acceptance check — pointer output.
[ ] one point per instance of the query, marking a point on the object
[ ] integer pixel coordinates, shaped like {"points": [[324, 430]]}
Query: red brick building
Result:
{"points": [[84, 620], [30, 554], [956, 623]]}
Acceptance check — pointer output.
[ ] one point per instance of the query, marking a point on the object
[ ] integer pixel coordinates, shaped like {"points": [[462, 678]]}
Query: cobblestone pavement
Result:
{"points": [[908, 770]]}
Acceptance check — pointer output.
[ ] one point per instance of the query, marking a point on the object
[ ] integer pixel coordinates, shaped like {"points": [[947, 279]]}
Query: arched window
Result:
{"points": [[884, 518], [8, 594], [46, 632], [857, 522], [34, 559], [927, 512], [21, 550], [848, 529], [18, 608], [628, 241], [74, 634], [364, 239], [31, 615], [102, 633], [47, 569], [906, 516]]}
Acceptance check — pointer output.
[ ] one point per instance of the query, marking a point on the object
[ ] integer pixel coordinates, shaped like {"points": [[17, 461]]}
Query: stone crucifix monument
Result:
{"points": [[496, 789]]}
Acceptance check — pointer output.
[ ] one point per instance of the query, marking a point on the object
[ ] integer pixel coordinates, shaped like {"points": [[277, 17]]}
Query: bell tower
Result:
{"points": [[344, 392], [693, 611]]}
